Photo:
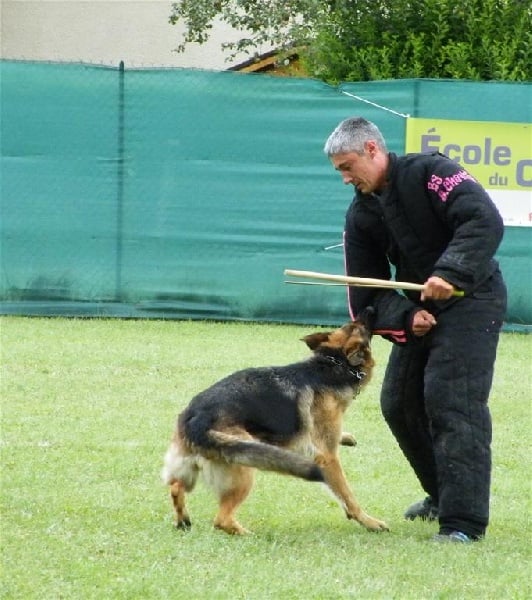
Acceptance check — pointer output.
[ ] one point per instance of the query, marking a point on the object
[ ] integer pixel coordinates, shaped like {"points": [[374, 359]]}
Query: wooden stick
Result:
{"points": [[326, 283], [362, 281], [385, 283]]}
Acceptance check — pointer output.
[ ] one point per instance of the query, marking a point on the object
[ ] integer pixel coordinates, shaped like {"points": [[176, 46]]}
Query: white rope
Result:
{"points": [[340, 245], [394, 112]]}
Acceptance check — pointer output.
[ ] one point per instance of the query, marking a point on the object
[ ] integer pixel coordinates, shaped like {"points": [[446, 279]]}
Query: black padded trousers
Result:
{"points": [[435, 401]]}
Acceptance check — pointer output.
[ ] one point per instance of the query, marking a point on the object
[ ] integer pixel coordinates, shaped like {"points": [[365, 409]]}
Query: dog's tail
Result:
{"points": [[266, 457]]}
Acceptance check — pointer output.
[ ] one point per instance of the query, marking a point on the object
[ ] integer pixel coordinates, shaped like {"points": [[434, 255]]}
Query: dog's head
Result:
{"points": [[351, 340]]}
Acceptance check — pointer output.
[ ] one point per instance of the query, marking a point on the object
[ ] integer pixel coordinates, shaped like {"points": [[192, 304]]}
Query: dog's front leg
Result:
{"points": [[336, 481]]}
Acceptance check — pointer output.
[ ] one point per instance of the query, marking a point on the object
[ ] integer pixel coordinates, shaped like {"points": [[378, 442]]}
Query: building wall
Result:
{"points": [[106, 32]]}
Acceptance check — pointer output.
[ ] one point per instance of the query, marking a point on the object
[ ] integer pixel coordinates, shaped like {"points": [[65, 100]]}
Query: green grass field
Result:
{"points": [[88, 407]]}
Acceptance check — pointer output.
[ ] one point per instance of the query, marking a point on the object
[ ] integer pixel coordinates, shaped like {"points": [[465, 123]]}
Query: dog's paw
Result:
{"points": [[348, 439], [232, 528], [369, 522], [184, 524], [375, 525]]}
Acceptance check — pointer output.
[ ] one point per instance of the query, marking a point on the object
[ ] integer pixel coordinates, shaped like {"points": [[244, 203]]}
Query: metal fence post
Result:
{"points": [[120, 183]]}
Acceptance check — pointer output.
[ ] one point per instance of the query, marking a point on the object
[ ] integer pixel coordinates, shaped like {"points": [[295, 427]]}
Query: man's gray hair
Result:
{"points": [[350, 136]]}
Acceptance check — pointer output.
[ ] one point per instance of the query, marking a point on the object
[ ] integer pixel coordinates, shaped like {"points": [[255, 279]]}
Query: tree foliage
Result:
{"points": [[279, 23], [360, 40]]}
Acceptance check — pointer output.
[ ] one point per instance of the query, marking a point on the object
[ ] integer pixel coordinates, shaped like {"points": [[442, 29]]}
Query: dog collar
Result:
{"points": [[357, 374]]}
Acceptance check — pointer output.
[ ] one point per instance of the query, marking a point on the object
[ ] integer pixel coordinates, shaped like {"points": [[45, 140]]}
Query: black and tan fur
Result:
{"points": [[286, 419]]}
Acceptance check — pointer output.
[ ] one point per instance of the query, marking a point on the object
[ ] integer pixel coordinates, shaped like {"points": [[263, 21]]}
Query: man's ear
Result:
{"points": [[367, 318], [315, 339]]}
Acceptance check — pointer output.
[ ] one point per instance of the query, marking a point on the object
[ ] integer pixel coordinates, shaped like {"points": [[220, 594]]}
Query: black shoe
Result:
{"points": [[456, 537], [425, 510]]}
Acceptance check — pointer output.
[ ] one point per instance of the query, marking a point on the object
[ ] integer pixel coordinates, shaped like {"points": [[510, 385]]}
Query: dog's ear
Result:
{"points": [[367, 318], [316, 339]]}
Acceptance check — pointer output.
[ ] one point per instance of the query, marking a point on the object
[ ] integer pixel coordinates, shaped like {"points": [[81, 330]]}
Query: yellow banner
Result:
{"points": [[498, 155]]}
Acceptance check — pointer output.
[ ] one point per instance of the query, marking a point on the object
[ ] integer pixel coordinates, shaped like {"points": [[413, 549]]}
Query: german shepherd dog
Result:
{"points": [[286, 419]]}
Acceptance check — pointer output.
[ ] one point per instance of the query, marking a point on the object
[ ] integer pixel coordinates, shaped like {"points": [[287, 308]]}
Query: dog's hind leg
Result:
{"points": [[232, 484], [177, 494], [180, 472]]}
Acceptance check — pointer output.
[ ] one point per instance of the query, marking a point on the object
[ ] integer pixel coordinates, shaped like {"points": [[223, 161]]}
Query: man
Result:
{"points": [[429, 219]]}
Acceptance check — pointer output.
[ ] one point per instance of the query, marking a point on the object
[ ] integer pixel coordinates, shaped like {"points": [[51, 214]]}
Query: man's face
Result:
{"points": [[366, 172]]}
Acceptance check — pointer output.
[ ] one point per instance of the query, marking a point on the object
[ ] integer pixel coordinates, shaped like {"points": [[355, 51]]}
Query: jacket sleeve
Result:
{"points": [[472, 217], [366, 257]]}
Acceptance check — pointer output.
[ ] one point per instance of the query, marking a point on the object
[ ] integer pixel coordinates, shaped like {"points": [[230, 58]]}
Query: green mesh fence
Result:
{"points": [[185, 194]]}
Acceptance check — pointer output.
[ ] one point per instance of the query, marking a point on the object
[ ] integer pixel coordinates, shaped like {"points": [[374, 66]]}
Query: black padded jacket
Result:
{"points": [[432, 218]]}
